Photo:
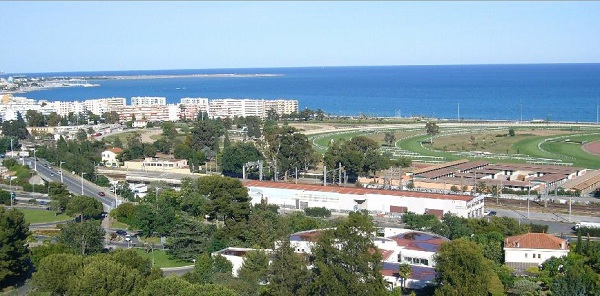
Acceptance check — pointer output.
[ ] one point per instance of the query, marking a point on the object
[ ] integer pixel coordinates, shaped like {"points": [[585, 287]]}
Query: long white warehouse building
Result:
{"points": [[346, 199]]}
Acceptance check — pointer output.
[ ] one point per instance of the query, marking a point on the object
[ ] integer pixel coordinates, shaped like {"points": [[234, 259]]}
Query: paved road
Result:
{"points": [[73, 182]]}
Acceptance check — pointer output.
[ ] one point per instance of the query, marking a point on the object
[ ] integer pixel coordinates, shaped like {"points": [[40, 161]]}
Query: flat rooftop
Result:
{"points": [[354, 190]]}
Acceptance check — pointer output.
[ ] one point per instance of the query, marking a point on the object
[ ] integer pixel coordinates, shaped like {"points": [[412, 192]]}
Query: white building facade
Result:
{"points": [[532, 249], [148, 101], [346, 199]]}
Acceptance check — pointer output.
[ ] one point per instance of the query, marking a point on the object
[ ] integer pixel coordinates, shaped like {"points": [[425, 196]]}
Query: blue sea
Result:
{"points": [[556, 92]]}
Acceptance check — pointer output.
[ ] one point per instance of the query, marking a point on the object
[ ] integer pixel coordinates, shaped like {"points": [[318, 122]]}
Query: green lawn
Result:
{"points": [[573, 152], [161, 259], [42, 216], [116, 224]]}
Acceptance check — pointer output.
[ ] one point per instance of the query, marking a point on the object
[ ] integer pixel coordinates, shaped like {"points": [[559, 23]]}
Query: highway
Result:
{"points": [[73, 182]]}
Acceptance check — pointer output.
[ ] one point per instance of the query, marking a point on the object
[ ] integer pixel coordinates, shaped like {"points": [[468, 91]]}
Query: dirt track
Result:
{"points": [[593, 148]]}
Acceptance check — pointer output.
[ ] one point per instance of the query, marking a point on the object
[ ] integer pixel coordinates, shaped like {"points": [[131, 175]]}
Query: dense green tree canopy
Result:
{"points": [[85, 237], [15, 128], [86, 206], [205, 134], [190, 238], [54, 272], [228, 198], [13, 250], [346, 261], [462, 269], [289, 150], [288, 273], [358, 156], [103, 276], [236, 156]]}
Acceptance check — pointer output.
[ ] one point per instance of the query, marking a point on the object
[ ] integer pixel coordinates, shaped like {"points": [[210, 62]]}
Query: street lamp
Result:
{"points": [[34, 161], [82, 173], [61, 172]]}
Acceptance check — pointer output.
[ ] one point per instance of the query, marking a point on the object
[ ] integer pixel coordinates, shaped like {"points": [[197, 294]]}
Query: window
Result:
{"points": [[525, 255], [539, 256]]}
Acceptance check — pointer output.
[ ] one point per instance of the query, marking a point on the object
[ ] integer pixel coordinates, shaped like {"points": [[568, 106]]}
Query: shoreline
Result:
{"points": [[132, 77]]}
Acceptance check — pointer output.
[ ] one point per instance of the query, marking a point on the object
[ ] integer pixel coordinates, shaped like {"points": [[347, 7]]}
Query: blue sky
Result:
{"points": [[94, 36]]}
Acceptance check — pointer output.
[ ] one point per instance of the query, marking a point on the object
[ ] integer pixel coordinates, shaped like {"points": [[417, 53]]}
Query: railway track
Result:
{"points": [[550, 208]]}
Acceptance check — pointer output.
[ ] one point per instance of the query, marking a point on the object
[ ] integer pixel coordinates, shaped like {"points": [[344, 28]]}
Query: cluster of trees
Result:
{"points": [[359, 156], [343, 263], [16, 128], [209, 214], [21, 175], [73, 205], [122, 272], [35, 118], [13, 251], [79, 156]]}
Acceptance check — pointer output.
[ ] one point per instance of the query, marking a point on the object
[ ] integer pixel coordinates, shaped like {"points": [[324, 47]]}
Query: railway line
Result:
{"points": [[592, 209]]}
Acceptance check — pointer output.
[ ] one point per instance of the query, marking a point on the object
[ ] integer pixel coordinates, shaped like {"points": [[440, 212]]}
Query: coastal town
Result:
{"points": [[302, 148]]}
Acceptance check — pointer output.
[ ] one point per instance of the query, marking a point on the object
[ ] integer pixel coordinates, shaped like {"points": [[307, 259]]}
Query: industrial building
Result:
{"points": [[347, 199]]}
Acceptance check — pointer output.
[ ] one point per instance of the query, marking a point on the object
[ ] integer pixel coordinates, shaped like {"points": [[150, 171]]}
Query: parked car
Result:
{"points": [[121, 232]]}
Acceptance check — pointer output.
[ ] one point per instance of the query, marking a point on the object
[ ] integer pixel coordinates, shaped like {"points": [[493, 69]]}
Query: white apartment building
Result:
{"points": [[148, 101], [145, 113], [101, 106], [223, 108], [282, 106], [195, 101], [190, 107], [11, 106]]}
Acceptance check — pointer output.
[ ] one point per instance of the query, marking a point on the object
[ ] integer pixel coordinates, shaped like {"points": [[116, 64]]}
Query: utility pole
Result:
{"points": [[340, 173], [82, 173], [458, 113], [296, 175], [61, 171], [324, 175]]}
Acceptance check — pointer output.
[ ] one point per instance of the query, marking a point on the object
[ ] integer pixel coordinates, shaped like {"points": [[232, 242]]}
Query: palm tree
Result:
{"points": [[404, 272]]}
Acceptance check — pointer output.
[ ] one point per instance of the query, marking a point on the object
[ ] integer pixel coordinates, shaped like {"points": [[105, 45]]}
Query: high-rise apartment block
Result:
{"points": [[148, 101]]}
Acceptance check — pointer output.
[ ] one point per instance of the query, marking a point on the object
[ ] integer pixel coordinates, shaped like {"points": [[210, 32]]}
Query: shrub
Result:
{"points": [[317, 212]]}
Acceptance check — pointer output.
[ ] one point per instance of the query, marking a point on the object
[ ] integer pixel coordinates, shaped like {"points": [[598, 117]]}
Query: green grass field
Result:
{"points": [[122, 136], [161, 259], [542, 143], [42, 216], [573, 152]]}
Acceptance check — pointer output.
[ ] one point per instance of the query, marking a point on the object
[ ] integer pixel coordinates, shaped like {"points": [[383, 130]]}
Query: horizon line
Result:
{"points": [[299, 67]]}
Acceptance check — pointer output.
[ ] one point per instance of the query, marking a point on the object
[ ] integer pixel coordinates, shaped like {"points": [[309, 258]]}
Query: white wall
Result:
{"points": [[375, 203], [527, 255]]}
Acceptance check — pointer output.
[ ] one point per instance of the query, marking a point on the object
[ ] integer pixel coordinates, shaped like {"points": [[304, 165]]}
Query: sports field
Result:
{"points": [[559, 144]]}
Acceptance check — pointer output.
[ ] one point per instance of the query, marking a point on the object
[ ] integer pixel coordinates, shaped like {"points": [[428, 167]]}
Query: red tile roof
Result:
{"points": [[354, 190], [536, 241], [115, 150], [419, 241], [385, 254]]}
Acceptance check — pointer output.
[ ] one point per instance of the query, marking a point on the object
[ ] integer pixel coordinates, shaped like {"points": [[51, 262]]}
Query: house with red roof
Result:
{"points": [[532, 249], [109, 156]]}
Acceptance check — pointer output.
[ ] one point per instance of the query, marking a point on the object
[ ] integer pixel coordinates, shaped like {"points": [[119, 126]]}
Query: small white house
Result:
{"points": [[109, 157], [532, 249]]}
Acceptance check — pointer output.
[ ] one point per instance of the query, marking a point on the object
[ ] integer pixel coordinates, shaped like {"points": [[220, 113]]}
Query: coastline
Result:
{"points": [[27, 89], [132, 77]]}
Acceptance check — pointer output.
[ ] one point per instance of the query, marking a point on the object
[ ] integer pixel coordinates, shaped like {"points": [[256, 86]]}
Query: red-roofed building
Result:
{"points": [[532, 249], [375, 201], [109, 157]]}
